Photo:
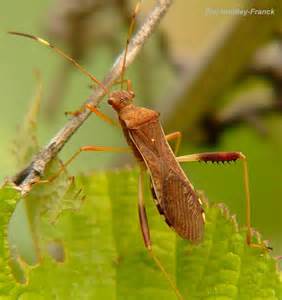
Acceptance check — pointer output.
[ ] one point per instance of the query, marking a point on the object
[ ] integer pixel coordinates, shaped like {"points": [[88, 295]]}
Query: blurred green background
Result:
{"points": [[187, 39]]}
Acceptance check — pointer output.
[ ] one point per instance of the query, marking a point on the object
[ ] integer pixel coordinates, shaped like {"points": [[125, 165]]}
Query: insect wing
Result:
{"points": [[173, 193], [182, 208]]}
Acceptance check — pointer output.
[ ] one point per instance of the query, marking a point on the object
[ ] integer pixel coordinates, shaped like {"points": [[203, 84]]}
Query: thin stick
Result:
{"points": [[35, 170]]}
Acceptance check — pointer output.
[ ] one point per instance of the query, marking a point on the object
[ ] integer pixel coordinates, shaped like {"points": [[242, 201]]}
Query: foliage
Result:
{"points": [[8, 199], [93, 249]]}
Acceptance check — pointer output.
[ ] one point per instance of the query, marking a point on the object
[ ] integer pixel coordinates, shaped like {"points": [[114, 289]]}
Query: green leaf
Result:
{"points": [[224, 266], [85, 237], [8, 200], [93, 249]]}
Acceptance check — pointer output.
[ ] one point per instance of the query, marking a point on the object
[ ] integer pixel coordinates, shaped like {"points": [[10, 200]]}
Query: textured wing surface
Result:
{"points": [[182, 208], [175, 198], [150, 143]]}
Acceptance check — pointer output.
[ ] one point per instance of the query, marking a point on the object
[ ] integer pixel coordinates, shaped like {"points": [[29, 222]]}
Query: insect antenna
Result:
{"points": [[64, 55], [129, 34]]}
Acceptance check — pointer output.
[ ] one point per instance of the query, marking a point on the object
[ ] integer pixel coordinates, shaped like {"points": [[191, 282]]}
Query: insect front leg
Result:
{"points": [[229, 157], [146, 234], [128, 84], [97, 112], [101, 115]]}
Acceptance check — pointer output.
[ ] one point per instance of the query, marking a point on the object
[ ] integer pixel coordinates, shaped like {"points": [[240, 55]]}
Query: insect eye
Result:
{"points": [[111, 100]]}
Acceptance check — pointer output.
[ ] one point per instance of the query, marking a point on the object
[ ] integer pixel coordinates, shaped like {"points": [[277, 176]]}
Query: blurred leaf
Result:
{"points": [[51, 200], [201, 91], [25, 143], [97, 252], [8, 200]]}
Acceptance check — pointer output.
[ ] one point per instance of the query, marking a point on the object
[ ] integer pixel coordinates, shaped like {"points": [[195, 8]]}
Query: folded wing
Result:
{"points": [[182, 208]]}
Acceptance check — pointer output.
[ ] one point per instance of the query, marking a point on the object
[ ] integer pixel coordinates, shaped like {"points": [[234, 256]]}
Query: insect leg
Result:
{"points": [[129, 34], [98, 113], [85, 149], [64, 55], [146, 234], [177, 136], [127, 81], [101, 115], [229, 157]]}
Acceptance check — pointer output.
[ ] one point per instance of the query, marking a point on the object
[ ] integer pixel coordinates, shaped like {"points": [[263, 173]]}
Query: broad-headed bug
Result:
{"points": [[174, 195]]}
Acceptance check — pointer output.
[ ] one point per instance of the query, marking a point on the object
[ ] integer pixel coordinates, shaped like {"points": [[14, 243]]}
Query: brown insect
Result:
{"points": [[174, 195]]}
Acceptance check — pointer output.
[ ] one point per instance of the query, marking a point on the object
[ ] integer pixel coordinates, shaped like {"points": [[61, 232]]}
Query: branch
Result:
{"points": [[35, 170]]}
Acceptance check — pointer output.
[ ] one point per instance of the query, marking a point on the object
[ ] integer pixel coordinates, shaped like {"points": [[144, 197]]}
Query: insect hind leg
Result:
{"points": [[230, 157]]}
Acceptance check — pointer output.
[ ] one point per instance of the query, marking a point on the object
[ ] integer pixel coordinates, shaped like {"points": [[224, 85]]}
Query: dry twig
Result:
{"points": [[35, 170]]}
